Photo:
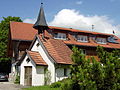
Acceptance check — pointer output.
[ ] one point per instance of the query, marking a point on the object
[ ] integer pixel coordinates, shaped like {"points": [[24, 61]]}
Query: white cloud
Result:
{"points": [[74, 19], [71, 18], [79, 2], [29, 20]]}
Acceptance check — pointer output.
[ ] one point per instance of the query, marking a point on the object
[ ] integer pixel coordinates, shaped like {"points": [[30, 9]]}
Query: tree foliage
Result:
{"points": [[4, 29], [89, 74]]}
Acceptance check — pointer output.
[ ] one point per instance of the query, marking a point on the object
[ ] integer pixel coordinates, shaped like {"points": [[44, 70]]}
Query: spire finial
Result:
{"points": [[41, 2]]}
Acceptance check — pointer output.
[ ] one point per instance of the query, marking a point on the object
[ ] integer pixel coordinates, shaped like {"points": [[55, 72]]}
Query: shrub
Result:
{"points": [[17, 80], [67, 84], [55, 85]]}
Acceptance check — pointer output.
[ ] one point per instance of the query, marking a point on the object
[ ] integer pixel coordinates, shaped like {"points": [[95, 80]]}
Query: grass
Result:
{"points": [[41, 88]]}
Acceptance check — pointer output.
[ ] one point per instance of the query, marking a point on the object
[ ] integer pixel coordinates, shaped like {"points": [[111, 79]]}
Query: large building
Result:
{"points": [[41, 53]]}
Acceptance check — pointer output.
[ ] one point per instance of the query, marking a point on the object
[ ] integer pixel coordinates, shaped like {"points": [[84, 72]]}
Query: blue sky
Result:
{"points": [[105, 10]]}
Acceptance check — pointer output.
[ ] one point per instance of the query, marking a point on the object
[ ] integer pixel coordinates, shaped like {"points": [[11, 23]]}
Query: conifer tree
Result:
{"points": [[90, 74]]}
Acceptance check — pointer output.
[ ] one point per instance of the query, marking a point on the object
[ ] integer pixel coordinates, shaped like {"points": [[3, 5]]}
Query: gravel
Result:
{"points": [[10, 86]]}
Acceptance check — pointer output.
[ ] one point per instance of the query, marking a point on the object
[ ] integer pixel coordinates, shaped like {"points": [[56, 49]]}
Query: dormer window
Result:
{"points": [[101, 40], [82, 38], [60, 36]]}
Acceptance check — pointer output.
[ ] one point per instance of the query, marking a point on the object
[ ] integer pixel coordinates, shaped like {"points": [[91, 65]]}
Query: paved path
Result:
{"points": [[10, 86]]}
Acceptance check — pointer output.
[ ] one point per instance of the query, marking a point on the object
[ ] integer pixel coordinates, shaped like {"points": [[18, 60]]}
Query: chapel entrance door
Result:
{"points": [[28, 75]]}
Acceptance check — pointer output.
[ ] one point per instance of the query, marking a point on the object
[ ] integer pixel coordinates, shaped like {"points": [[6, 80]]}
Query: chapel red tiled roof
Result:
{"points": [[57, 50], [36, 57]]}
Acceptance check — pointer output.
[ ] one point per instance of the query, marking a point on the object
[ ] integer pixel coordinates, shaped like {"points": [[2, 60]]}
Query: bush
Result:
{"points": [[56, 85], [17, 80], [67, 84]]}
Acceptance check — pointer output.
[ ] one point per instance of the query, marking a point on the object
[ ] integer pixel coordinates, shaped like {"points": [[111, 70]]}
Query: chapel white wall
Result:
{"points": [[37, 73], [51, 66]]}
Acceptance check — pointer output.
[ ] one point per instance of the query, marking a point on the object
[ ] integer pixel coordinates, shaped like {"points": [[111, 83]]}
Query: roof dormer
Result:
{"points": [[101, 40], [82, 38], [61, 36]]}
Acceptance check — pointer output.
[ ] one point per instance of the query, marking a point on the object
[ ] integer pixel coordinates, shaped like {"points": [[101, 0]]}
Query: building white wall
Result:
{"points": [[38, 76], [60, 74], [51, 67], [37, 73]]}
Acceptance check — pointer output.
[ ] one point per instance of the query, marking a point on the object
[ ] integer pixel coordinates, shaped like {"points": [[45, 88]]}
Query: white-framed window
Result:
{"points": [[60, 36], [82, 38], [101, 40]]}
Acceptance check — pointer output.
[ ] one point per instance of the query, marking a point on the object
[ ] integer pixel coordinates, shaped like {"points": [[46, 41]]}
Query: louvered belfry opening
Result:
{"points": [[41, 23]]}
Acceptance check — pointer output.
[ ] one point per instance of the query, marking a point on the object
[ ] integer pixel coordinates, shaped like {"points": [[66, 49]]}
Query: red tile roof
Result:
{"points": [[25, 31], [76, 30], [58, 50], [92, 43], [22, 31], [36, 57]]}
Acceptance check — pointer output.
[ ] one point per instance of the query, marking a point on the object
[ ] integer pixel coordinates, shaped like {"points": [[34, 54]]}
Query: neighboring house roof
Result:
{"points": [[36, 57], [22, 31], [25, 31], [57, 49]]}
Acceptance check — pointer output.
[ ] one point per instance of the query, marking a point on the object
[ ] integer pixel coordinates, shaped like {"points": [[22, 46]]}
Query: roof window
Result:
{"points": [[101, 40], [60, 36], [82, 38]]}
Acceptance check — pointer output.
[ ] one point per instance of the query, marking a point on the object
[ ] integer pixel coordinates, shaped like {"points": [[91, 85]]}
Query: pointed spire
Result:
{"points": [[41, 23]]}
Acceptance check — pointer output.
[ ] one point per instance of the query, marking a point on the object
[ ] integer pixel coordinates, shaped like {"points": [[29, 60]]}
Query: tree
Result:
{"points": [[111, 65], [4, 29], [89, 74], [81, 71]]}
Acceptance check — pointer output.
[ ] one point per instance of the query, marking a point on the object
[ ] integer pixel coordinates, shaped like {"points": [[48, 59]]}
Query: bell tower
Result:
{"points": [[41, 23]]}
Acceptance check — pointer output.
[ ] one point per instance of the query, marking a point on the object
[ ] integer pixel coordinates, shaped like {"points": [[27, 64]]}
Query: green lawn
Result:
{"points": [[41, 88]]}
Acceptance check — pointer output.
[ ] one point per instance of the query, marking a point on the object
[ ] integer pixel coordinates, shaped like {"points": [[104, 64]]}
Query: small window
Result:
{"points": [[101, 40], [82, 38], [37, 44], [60, 36], [27, 60], [83, 51], [65, 72]]}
